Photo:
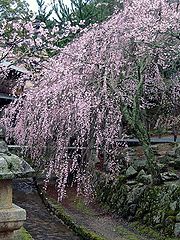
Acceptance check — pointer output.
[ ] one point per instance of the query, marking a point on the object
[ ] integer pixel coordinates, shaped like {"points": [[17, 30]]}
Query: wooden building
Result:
{"points": [[9, 81]]}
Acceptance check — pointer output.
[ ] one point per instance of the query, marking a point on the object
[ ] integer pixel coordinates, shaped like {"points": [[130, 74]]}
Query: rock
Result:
{"points": [[135, 194], [131, 172], [140, 164], [173, 206], [140, 184], [170, 220], [154, 205], [177, 164], [132, 154], [169, 176], [12, 166], [121, 166], [141, 173], [132, 182], [173, 187], [172, 153], [166, 159], [162, 167], [155, 150], [177, 151], [171, 163], [132, 209], [3, 147], [157, 219], [178, 217], [144, 178], [177, 230]]}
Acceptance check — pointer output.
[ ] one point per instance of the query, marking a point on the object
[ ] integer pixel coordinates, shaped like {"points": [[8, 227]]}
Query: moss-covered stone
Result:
{"points": [[177, 230], [22, 234], [177, 164], [126, 234], [156, 206], [131, 172], [150, 232], [178, 217]]}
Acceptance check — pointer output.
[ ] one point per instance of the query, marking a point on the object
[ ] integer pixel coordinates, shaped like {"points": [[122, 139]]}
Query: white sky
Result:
{"points": [[33, 4]]}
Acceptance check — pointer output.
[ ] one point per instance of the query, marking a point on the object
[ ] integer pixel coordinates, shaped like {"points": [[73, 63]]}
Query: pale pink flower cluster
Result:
{"points": [[81, 92], [30, 40]]}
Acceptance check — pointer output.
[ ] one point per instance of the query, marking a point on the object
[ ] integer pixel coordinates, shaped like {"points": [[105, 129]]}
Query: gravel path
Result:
{"points": [[104, 225], [93, 218]]}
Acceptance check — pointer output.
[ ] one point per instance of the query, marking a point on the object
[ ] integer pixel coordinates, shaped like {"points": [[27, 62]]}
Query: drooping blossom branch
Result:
{"points": [[112, 71]]}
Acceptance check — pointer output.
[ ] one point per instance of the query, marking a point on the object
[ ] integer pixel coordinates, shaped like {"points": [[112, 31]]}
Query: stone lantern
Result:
{"points": [[12, 217]]}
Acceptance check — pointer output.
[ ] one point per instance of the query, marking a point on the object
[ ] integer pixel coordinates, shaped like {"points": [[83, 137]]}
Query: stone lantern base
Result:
{"points": [[11, 219], [7, 236]]}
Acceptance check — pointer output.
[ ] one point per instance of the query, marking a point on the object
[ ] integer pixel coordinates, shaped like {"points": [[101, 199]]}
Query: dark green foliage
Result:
{"points": [[43, 14], [90, 12], [14, 9]]}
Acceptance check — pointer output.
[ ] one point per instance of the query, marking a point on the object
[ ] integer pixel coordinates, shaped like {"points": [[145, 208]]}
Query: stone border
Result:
{"points": [[60, 212]]}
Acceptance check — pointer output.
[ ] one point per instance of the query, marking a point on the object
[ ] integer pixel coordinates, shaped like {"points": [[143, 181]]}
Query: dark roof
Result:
{"points": [[6, 96], [11, 66]]}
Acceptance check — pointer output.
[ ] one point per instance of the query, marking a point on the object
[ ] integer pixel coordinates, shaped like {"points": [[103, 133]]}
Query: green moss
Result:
{"points": [[171, 219], [60, 212], [155, 204], [171, 212], [126, 234], [149, 232], [22, 234], [80, 205], [121, 179], [79, 230]]}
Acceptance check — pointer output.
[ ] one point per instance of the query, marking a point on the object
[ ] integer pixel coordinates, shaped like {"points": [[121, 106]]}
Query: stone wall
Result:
{"points": [[156, 206], [132, 196]]}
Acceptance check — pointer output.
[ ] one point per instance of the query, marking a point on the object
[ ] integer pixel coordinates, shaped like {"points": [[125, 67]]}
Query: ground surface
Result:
{"points": [[96, 219], [40, 223]]}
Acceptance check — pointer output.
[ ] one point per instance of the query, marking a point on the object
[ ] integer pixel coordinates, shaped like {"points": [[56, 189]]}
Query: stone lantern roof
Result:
{"points": [[12, 166]]}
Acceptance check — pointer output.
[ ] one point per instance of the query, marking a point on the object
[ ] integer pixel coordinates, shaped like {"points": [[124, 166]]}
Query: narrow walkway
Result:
{"points": [[93, 218], [40, 223]]}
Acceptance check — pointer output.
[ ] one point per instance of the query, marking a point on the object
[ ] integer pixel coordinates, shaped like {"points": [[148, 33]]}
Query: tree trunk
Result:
{"points": [[142, 135]]}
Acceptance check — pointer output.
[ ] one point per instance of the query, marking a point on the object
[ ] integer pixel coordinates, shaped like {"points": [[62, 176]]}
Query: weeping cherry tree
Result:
{"points": [[113, 70]]}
